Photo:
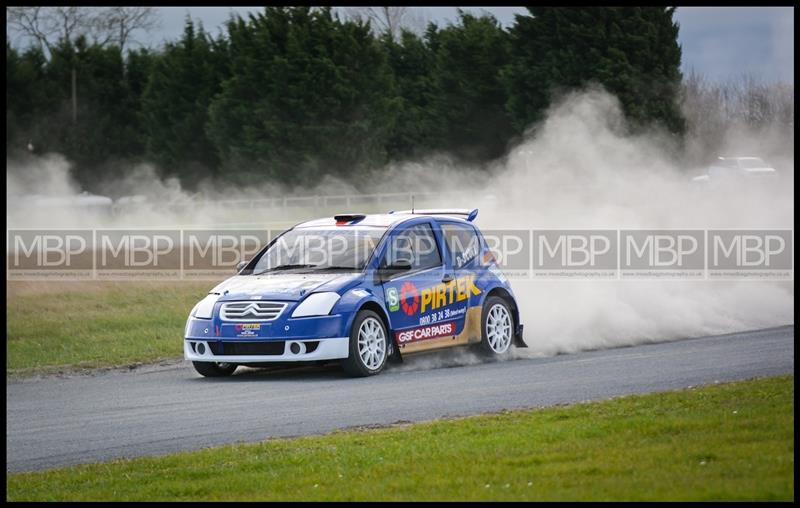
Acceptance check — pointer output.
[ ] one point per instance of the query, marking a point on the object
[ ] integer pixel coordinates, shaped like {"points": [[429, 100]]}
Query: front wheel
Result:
{"points": [[497, 327], [369, 345], [214, 369]]}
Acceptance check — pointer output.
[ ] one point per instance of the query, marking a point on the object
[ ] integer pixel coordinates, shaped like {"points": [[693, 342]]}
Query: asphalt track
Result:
{"points": [[52, 422]]}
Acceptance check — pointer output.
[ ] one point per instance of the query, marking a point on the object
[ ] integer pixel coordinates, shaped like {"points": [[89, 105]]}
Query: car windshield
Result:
{"points": [[305, 249], [752, 163], [725, 163]]}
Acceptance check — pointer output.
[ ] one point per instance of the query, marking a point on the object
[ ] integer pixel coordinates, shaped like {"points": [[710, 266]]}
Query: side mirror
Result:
{"points": [[385, 272], [399, 266], [240, 266]]}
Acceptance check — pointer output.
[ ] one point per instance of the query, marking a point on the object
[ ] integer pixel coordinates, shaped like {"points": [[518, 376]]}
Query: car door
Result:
{"points": [[462, 246], [415, 284]]}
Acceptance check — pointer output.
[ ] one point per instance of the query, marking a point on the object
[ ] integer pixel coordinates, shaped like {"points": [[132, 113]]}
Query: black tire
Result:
{"points": [[354, 364], [214, 369], [485, 347]]}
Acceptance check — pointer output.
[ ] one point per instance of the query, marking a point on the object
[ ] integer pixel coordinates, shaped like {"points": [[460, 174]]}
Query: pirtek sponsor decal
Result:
{"points": [[443, 294], [427, 332], [409, 298]]}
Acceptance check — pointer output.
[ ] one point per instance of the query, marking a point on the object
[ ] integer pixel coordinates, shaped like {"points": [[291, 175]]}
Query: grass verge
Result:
{"points": [[733, 441], [54, 327]]}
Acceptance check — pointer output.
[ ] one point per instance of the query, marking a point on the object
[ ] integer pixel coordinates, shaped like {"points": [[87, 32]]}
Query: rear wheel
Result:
{"points": [[497, 327], [369, 345], [214, 369]]}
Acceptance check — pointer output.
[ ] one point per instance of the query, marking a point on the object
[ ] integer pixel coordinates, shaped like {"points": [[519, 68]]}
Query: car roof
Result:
{"points": [[370, 220], [383, 220]]}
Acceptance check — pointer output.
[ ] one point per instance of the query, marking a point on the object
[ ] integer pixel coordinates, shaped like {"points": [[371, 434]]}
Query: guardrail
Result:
{"points": [[343, 201]]}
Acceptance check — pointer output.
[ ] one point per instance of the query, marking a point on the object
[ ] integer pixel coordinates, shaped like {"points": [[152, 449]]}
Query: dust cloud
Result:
{"points": [[581, 168]]}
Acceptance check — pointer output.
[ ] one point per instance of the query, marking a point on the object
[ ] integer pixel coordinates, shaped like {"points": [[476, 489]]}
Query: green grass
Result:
{"points": [[67, 326], [731, 441]]}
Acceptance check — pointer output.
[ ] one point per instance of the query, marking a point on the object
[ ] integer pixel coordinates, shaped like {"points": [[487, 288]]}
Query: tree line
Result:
{"points": [[718, 110], [294, 93]]}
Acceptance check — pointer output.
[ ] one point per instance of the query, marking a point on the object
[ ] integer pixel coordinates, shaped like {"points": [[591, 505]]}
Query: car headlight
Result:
{"points": [[205, 307], [317, 304]]}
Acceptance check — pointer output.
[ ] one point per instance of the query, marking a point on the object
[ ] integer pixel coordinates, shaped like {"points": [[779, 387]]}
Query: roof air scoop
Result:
{"points": [[348, 217]]}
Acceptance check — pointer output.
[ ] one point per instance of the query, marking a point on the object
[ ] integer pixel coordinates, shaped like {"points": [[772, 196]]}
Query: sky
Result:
{"points": [[719, 42]]}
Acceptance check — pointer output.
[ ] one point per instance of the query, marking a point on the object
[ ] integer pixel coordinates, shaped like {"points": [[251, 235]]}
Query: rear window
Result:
{"points": [[462, 243]]}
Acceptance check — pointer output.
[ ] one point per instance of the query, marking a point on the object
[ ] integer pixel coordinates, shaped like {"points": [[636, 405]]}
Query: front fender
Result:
{"points": [[352, 300]]}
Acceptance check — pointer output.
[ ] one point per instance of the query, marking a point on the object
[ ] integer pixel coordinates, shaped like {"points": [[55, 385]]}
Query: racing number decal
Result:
{"points": [[409, 298]]}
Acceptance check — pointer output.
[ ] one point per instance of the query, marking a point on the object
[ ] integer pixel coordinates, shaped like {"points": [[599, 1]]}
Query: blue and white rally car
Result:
{"points": [[359, 289]]}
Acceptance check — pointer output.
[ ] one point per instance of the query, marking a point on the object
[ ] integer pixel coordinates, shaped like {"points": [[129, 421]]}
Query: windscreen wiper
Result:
{"points": [[285, 267]]}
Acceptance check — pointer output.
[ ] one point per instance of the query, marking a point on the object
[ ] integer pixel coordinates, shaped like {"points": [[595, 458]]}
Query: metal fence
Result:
{"points": [[346, 202]]}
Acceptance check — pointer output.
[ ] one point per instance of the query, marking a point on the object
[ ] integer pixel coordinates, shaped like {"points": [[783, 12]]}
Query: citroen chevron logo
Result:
{"points": [[250, 309]]}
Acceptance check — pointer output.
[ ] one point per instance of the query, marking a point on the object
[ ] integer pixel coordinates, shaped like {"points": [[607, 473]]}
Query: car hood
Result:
{"points": [[281, 286]]}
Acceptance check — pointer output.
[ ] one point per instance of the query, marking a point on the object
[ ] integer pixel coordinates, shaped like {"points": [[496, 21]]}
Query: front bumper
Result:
{"points": [[326, 349], [283, 328]]}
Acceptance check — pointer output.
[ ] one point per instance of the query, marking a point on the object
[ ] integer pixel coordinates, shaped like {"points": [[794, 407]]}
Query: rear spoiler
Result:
{"points": [[464, 213]]}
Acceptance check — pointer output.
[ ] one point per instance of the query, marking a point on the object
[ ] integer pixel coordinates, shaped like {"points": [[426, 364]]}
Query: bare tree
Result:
{"points": [[106, 25], [391, 20], [117, 24], [714, 110], [48, 26]]}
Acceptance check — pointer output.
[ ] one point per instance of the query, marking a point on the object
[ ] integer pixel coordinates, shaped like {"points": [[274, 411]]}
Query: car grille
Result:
{"points": [[247, 348], [251, 311]]}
